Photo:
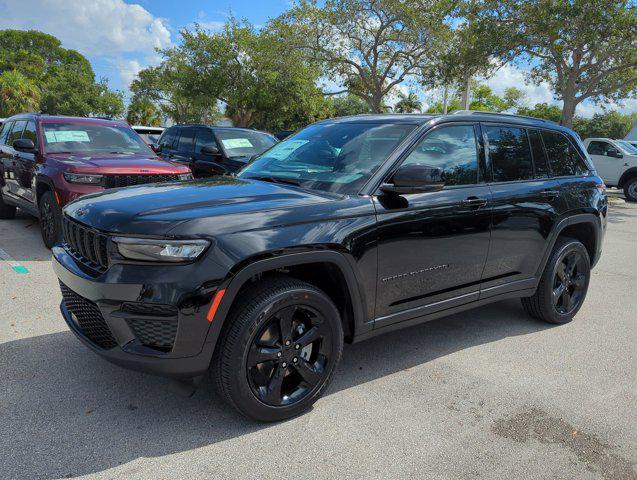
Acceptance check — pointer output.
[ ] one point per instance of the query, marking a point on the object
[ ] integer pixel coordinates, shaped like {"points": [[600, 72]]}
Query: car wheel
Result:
{"points": [[563, 285], [50, 220], [630, 189], [278, 353], [7, 212]]}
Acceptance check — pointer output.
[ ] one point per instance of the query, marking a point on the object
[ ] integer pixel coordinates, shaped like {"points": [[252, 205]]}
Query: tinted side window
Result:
{"points": [[204, 137], [167, 140], [186, 141], [29, 132], [598, 148], [510, 153], [539, 157], [454, 149], [565, 160], [6, 128], [16, 131]]}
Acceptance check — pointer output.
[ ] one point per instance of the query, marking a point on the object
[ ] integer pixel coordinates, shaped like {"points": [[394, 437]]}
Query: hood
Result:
{"points": [[155, 209], [117, 164]]}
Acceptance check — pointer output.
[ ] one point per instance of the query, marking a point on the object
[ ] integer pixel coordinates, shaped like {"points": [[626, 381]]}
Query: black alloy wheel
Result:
{"points": [[289, 355], [50, 220], [569, 282], [278, 349], [563, 285]]}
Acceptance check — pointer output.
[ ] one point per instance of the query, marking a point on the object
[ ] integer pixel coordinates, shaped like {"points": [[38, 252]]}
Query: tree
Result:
{"points": [[542, 110], [171, 86], [408, 103], [483, 98], [346, 105], [445, 106], [142, 111], [260, 79], [610, 124], [17, 93], [65, 78], [370, 46], [584, 49]]}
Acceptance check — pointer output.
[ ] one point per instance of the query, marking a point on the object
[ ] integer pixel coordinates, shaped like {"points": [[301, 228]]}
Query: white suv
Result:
{"points": [[616, 162]]}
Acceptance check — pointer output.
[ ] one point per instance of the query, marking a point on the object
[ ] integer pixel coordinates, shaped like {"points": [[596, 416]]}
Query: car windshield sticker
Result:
{"points": [[67, 136], [285, 149], [236, 143]]}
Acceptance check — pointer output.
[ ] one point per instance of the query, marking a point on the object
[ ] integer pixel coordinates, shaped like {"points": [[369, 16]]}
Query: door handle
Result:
{"points": [[474, 202], [550, 193]]}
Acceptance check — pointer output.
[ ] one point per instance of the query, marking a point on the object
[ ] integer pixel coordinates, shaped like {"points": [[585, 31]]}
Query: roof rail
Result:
{"points": [[480, 112]]}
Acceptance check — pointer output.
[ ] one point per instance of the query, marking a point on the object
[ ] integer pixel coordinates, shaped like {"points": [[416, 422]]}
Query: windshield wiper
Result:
{"points": [[271, 179]]}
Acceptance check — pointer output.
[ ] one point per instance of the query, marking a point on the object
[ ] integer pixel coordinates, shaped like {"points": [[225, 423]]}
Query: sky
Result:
{"points": [[120, 37]]}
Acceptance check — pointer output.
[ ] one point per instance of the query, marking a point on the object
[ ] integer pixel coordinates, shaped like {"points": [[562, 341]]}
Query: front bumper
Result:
{"points": [[158, 328]]}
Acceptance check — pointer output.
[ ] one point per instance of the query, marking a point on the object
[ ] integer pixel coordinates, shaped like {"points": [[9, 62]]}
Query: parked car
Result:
{"points": [[616, 162], [149, 134], [213, 150], [47, 161], [354, 227]]}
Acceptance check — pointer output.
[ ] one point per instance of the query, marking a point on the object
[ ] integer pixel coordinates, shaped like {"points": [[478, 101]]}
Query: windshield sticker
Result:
{"points": [[236, 143], [285, 149], [67, 136]]}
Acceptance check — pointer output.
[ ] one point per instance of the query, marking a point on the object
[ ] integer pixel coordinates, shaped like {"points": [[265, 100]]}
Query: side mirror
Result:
{"points": [[155, 147], [613, 152], [210, 150], [24, 145], [414, 179]]}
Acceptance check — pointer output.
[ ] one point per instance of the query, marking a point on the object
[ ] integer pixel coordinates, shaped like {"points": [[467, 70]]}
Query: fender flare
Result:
{"points": [[234, 284], [566, 222], [631, 172], [42, 179]]}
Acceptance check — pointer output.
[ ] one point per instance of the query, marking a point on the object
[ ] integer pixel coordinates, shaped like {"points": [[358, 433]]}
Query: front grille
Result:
{"points": [[85, 244], [115, 181], [157, 334], [89, 318]]}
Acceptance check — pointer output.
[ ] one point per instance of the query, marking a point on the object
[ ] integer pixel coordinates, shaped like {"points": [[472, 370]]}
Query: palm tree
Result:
{"points": [[18, 94], [408, 103]]}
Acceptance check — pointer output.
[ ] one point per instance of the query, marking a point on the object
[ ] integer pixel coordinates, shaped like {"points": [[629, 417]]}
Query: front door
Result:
{"points": [[608, 166], [433, 246], [10, 160], [25, 163]]}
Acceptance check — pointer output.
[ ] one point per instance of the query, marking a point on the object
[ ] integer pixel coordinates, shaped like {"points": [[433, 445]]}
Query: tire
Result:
{"points": [[50, 219], [7, 212], [563, 285], [630, 189], [252, 368]]}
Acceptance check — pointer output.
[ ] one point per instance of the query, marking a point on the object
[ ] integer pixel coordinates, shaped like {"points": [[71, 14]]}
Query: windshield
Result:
{"points": [[244, 143], [336, 157], [627, 146], [69, 137]]}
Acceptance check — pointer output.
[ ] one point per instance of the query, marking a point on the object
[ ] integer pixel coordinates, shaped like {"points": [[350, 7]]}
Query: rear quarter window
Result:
{"points": [[168, 139], [564, 158]]}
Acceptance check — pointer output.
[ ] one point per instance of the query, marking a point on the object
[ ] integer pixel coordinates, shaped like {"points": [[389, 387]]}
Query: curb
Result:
{"points": [[616, 201]]}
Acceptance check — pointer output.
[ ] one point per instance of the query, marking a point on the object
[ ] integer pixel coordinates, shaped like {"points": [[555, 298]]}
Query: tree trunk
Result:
{"points": [[444, 100], [466, 92], [568, 110]]}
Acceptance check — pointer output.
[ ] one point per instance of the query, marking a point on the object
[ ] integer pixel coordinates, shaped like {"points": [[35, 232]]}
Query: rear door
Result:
{"points": [[10, 159], [526, 205], [25, 164], [185, 147], [433, 246], [168, 143]]}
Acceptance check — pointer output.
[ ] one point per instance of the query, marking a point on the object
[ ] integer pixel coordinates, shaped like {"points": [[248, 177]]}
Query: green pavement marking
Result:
{"points": [[15, 266]]}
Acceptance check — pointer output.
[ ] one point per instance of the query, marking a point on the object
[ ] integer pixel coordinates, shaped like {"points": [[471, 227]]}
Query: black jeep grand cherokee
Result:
{"points": [[353, 227]]}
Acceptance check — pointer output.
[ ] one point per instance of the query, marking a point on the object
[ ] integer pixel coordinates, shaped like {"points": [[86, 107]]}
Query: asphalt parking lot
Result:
{"points": [[488, 393]]}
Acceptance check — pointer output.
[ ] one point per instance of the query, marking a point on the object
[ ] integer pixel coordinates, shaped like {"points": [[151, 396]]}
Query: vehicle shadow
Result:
{"points": [[66, 412]]}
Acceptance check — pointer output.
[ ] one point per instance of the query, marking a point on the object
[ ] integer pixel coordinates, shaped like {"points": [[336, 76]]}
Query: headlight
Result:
{"points": [[185, 176], [160, 250], [83, 178]]}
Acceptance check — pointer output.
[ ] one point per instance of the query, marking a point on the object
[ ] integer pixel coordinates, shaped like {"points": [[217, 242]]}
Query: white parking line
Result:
{"points": [[15, 266]]}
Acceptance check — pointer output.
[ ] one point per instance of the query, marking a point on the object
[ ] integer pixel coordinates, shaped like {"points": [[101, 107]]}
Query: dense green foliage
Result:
{"points": [[64, 79]]}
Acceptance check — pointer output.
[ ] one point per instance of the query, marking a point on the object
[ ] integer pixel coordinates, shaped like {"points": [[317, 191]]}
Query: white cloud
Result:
{"points": [[128, 70], [94, 28], [512, 76]]}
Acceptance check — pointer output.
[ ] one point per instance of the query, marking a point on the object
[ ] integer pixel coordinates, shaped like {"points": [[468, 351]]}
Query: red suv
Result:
{"points": [[48, 161]]}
